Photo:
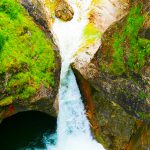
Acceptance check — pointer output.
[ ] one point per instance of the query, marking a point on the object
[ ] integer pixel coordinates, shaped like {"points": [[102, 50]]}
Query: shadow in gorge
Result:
{"points": [[25, 130]]}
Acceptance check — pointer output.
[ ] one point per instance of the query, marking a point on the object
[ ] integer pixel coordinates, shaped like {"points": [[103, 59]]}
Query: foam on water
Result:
{"points": [[73, 129]]}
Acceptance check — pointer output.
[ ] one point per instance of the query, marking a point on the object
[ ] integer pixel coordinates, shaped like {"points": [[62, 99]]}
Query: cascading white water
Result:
{"points": [[73, 131]]}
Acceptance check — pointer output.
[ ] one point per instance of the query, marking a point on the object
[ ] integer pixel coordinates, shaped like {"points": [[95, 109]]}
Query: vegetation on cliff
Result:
{"points": [[124, 57], [138, 50], [26, 56], [129, 52]]}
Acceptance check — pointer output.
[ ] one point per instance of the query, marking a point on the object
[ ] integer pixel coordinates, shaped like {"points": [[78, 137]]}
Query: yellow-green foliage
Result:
{"points": [[26, 56], [90, 35]]}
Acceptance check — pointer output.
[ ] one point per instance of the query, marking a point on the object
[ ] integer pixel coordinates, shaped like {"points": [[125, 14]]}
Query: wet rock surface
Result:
{"points": [[126, 89]]}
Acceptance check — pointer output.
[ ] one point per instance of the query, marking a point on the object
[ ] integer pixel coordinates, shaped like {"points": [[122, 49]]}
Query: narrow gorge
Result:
{"points": [[73, 127], [74, 75]]}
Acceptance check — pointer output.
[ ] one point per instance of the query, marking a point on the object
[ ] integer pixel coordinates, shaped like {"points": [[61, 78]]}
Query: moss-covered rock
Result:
{"points": [[124, 56], [28, 62], [126, 43], [101, 15], [129, 88], [112, 126]]}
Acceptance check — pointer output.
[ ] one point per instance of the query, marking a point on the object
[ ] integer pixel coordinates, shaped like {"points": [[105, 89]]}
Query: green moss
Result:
{"points": [[130, 52], [25, 53], [143, 95], [10, 7], [143, 115], [118, 63]]}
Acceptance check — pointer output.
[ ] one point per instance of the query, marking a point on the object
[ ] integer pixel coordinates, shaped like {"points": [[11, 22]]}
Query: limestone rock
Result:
{"points": [[127, 89], [104, 12]]}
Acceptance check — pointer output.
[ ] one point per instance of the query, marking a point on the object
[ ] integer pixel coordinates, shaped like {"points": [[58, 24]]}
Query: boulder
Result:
{"points": [[63, 10]]}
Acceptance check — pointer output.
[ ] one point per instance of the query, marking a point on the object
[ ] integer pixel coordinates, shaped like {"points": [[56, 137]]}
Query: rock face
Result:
{"points": [[44, 11], [41, 97], [63, 10], [25, 84], [102, 14], [111, 124], [117, 96], [38, 10], [128, 87]]}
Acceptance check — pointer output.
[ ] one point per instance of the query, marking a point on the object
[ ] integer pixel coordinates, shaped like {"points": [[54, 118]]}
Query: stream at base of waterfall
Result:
{"points": [[73, 129]]}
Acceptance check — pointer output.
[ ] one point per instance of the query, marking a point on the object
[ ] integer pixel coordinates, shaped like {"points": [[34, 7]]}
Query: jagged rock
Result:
{"points": [[126, 91], [112, 126], [117, 103], [63, 10]]}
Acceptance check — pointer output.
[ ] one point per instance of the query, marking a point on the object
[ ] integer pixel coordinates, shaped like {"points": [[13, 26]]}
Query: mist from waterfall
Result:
{"points": [[73, 129]]}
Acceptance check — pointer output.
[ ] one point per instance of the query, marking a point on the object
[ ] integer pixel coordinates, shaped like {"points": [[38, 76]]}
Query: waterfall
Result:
{"points": [[73, 129]]}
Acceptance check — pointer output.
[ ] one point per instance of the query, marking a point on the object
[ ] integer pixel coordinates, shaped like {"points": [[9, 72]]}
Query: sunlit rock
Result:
{"points": [[104, 12], [101, 15]]}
